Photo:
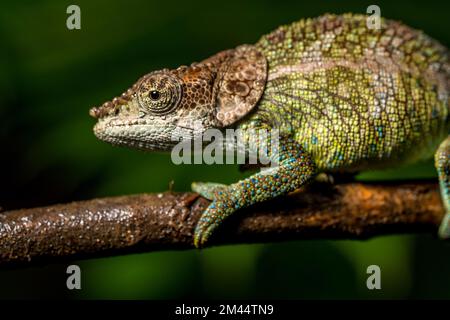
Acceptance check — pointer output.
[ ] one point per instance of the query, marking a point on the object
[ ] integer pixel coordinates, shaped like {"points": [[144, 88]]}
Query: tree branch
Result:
{"points": [[147, 222]]}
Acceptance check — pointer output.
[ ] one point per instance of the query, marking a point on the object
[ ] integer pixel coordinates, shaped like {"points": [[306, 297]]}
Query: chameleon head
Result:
{"points": [[166, 105]]}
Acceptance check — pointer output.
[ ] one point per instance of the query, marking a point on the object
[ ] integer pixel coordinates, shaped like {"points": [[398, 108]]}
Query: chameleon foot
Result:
{"points": [[295, 169], [221, 207], [208, 189], [324, 178]]}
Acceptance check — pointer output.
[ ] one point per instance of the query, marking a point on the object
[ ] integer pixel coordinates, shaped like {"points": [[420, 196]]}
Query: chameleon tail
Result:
{"points": [[442, 162]]}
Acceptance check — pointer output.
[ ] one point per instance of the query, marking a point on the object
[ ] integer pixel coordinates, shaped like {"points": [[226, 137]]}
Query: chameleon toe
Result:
{"points": [[201, 233], [208, 190]]}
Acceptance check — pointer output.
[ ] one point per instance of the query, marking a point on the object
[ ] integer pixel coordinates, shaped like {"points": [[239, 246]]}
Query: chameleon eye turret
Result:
{"points": [[159, 93], [344, 97]]}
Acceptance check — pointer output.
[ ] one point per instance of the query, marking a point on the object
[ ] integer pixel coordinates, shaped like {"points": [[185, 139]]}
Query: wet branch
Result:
{"points": [[147, 222]]}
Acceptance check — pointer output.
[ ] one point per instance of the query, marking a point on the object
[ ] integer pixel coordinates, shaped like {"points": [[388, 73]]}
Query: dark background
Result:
{"points": [[50, 76]]}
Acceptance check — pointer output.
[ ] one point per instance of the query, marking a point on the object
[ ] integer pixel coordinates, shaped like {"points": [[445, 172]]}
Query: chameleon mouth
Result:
{"points": [[135, 133]]}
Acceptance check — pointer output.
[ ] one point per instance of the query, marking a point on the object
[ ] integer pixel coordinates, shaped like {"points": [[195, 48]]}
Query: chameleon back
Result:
{"points": [[354, 97]]}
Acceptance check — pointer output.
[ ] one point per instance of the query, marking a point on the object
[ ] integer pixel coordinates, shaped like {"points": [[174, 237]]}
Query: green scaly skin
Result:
{"points": [[344, 97]]}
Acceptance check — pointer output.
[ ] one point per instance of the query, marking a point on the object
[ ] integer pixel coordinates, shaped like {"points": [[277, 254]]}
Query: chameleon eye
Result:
{"points": [[159, 93], [154, 94]]}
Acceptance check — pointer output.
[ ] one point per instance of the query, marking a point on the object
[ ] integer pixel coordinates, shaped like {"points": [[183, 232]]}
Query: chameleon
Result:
{"points": [[344, 98]]}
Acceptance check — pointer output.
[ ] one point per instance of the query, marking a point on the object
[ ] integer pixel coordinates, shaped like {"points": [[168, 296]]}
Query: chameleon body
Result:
{"points": [[344, 97]]}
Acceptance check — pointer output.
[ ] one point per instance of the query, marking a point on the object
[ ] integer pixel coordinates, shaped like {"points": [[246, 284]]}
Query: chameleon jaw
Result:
{"points": [[135, 133]]}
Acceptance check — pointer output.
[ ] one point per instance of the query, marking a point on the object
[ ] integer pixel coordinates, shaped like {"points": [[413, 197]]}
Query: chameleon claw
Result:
{"points": [[198, 237], [202, 232], [216, 211], [210, 220]]}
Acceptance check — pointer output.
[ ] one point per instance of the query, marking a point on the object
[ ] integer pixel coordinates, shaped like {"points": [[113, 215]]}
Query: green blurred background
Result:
{"points": [[50, 76]]}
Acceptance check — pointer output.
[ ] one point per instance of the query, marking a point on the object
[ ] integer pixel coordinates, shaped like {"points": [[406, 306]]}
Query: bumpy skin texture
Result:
{"points": [[344, 97], [355, 97]]}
